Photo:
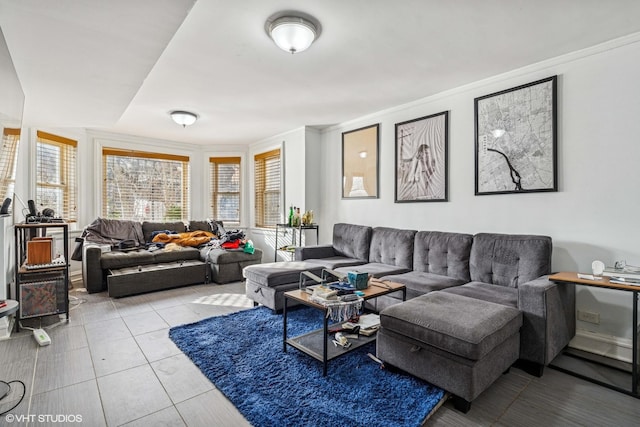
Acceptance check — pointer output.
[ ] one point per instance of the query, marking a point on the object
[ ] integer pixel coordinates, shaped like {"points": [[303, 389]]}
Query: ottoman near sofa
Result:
{"points": [[266, 283], [226, 265], [457, 343]]}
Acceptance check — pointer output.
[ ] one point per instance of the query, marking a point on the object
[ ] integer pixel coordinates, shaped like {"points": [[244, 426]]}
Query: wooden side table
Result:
{"points": [[604, 282]]}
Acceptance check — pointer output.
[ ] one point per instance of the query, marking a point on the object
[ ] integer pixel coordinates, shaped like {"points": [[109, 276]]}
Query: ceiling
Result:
{"points": [[122, 65]]}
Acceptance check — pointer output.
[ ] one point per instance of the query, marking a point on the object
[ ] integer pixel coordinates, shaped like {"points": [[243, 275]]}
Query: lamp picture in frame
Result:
{"points": [[421, 159], [360, 163], [516, 139]]}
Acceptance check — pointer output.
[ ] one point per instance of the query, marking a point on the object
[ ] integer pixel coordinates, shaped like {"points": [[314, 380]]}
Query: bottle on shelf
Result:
{"points": [[298, 218], [290, 219]]}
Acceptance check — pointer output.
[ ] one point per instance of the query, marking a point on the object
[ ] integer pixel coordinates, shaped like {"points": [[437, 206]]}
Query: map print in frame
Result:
{"points": [[516, 139]]}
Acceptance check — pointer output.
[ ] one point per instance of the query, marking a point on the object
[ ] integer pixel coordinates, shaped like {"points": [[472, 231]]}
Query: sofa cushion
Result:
{"points": [[149, 227], [179, 253], [336, 262], [279, 273], [227, 256], [195, 225], [352, 241], [420, 283], [392, 246], [456, 324], [484, 291], [446, 254], [509, 260], [118, 259], [374, 268], [206, 225]]}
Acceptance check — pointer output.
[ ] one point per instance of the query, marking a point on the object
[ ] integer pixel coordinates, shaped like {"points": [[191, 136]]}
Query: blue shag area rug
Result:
{"points": [[241, 353]]}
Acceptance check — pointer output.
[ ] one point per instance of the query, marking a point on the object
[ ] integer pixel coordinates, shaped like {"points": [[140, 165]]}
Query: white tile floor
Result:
{"points": [[113, 364]]}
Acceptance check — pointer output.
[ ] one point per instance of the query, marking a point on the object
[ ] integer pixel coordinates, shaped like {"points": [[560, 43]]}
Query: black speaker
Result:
{"points": [[32, 208], [5, 206]]}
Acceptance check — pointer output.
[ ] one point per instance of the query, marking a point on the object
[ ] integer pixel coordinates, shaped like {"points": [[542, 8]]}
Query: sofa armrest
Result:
{"points": [[549, 322], [92, 270], [314, 252]]}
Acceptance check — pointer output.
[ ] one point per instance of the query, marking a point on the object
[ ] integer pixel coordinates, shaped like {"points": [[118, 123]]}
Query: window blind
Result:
{"points": [[56, 171], [142, 186], [267, 188], [225, 186], [8, 158]]}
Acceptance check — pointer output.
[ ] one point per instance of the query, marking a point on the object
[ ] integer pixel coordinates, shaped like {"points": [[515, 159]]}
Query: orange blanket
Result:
{"points": [[191, 238]]}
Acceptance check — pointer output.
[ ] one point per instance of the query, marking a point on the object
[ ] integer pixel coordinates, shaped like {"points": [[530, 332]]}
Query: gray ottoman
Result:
{"points": [[266, 283], [457, 343], [226, 265]]}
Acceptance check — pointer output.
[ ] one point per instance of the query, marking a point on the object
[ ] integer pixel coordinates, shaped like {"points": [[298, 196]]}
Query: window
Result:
{"points": [[267, 188], [56, 175], [145, 186], [225, 189], [8, 159]]}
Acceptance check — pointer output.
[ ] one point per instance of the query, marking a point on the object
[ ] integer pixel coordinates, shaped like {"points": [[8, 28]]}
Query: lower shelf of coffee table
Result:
{"points": [[311, 344]]}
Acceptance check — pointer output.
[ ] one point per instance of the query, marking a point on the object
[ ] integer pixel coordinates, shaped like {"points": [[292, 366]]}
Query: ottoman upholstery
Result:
{"points": [[458, 343], [227, 265], [267, 282]]}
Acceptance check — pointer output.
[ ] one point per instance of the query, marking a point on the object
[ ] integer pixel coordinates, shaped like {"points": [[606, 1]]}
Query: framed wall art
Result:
{"points": [[516, 139], [360, 163], [421, 159]]}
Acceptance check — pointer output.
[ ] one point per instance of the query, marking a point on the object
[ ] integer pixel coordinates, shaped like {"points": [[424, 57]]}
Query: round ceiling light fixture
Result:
{"points": [[184, 118], [293, 32]]}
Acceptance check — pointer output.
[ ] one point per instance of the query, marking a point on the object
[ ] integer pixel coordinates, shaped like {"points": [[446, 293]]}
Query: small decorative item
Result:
{"points": [[516, 139], [421, 159], [360, 163], [358, 280], [307, 218]]}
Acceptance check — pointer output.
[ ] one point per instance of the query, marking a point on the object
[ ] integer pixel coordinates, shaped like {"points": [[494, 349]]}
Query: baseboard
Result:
{"points": [[604, 345]]}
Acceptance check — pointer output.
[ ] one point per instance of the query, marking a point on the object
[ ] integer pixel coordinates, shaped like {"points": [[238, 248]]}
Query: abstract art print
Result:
{"points": [[516, 139], [421, 159], [360, 163]]}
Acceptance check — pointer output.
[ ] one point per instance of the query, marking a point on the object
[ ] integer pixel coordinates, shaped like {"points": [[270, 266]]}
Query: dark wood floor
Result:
{"points": [[113, 364]]}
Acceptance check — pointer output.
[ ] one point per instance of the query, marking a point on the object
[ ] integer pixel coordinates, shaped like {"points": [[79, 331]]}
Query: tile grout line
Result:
{"points": [[517, 396]]}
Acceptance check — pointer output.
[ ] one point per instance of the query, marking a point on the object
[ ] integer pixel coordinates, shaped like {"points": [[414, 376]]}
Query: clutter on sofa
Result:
{"points": [[160, 255]]}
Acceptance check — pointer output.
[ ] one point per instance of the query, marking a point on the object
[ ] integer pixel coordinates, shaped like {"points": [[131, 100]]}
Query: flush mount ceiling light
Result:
{"points": [[184, 118], [293, 32]]}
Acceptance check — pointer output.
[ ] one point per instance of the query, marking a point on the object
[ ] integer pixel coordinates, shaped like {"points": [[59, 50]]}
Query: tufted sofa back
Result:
{"points": [[392, 246], [509, 259], [446, 254], [352, 241]]}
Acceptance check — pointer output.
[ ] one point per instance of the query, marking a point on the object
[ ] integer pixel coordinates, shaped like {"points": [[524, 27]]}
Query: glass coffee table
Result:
{"points": [[316, 343]]}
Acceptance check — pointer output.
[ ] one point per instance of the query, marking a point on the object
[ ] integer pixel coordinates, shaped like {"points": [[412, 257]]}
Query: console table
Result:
{"points": [[604, 282], [294, 230]]}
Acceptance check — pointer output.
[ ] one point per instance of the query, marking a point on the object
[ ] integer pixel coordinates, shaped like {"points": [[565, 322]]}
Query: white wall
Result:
{"points": [[592, 216]]}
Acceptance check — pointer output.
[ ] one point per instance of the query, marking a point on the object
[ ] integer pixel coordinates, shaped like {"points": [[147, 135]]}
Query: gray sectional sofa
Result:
{"points": [[475, 303], [140, 269]]}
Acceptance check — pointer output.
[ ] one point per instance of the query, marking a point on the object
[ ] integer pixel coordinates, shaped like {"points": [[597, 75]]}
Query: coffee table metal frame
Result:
{"points": [[315, 343]]}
